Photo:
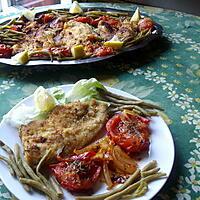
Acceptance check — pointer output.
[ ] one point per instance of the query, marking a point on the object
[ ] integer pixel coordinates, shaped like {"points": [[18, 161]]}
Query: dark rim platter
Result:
{"points": [[157, 32]]}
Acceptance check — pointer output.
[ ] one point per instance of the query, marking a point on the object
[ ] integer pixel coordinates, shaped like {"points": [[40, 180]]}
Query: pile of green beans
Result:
{"points": [[135, 186], [119, 103], [29, 178], [9, 36]]}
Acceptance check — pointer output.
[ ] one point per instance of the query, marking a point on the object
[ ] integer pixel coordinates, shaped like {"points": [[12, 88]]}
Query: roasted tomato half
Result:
{"points": [[145, 24], [5, 52], [77, 173], [104, 51], [48, 18], [130, 132], [61, 51]]}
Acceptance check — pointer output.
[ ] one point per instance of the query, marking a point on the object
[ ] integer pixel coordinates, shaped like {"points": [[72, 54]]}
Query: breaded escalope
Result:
{"points": [[71, 126]]}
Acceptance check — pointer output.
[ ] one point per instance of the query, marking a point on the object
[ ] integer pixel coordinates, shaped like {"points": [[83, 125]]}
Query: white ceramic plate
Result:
{"points": [[161, 150]]}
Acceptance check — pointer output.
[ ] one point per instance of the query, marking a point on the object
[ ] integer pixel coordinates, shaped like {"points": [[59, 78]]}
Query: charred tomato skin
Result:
{"points": [[5, 52], [145, 24], [104, 51], [77, 173], [131, 134]]}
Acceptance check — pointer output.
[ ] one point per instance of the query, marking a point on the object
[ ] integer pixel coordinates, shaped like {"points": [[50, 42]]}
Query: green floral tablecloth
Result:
{"points": [[167, 71]]}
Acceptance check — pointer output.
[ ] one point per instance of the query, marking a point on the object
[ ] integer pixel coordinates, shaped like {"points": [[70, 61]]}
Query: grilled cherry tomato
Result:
{"points": [[77, 173], [47, 18], [145, 23], [94, 22], [61, 51], [84, 19], [15, 28], [130, 132], [5, 52], [104, 51]]}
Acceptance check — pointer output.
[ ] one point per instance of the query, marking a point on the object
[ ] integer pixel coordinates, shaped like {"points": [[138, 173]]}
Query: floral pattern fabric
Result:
{"points": [[166, 71]]}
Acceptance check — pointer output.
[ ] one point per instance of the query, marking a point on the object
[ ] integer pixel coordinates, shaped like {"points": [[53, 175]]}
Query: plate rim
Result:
{"points": [[116, 90]]}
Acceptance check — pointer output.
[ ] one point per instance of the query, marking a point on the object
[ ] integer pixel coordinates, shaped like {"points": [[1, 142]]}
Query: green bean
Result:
{"points": [[11, 39], [100, 13], [13, 163], [103, 196], [43, 159], [8, 24], [39, 186], [141, 110], [150, 166], [19, 161], [140, 191], [152, 112], [12, 158], [19, 22], [56, 186], [123, 102], [146, 104], [10, 168], [43, 178], [132, 187], [30, 172], [16, 32], [150, 172], [116, 96]]}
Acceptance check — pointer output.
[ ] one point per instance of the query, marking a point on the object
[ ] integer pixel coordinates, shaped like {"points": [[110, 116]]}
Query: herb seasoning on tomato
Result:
{"points": [[130, 132], [77, 173]]}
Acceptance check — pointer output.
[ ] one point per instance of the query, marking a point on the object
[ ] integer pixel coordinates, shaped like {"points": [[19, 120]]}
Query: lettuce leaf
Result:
{"points": [[84, 90]]}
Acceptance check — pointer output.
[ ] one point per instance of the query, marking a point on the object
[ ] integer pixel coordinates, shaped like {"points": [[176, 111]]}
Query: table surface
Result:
{"points": [[167, 71]]}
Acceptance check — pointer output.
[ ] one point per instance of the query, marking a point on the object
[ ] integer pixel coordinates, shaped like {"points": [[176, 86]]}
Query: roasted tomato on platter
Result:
{"points": [[130, 132], [5, 52], [77, 173]]}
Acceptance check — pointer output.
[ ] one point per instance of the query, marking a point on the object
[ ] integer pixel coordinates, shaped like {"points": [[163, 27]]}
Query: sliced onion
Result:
{"points": [[122, 161], [107, 177]]}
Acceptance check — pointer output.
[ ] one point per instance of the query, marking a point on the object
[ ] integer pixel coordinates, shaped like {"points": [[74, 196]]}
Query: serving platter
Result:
{"points": [[161, 149], [156, 33]]}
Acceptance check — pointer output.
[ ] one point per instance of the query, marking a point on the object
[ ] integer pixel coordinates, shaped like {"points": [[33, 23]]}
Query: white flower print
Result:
{"points": [[197, 132], [195, 47], [5, 195], [195, 153], [196, 122], [183, 104], [168, 86], [183, 193], [137, 72], [149, 75], [6, 85], [176, 38], [193, 182], [193, 165], [186, 119], [172, 95], [194, 113], [196, 141], [159, 80], [185, 97]]}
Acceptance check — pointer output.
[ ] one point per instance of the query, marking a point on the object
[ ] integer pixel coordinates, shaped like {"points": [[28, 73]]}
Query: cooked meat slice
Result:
{"points": [[126, 31], [76, 33], [72, 126]]}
